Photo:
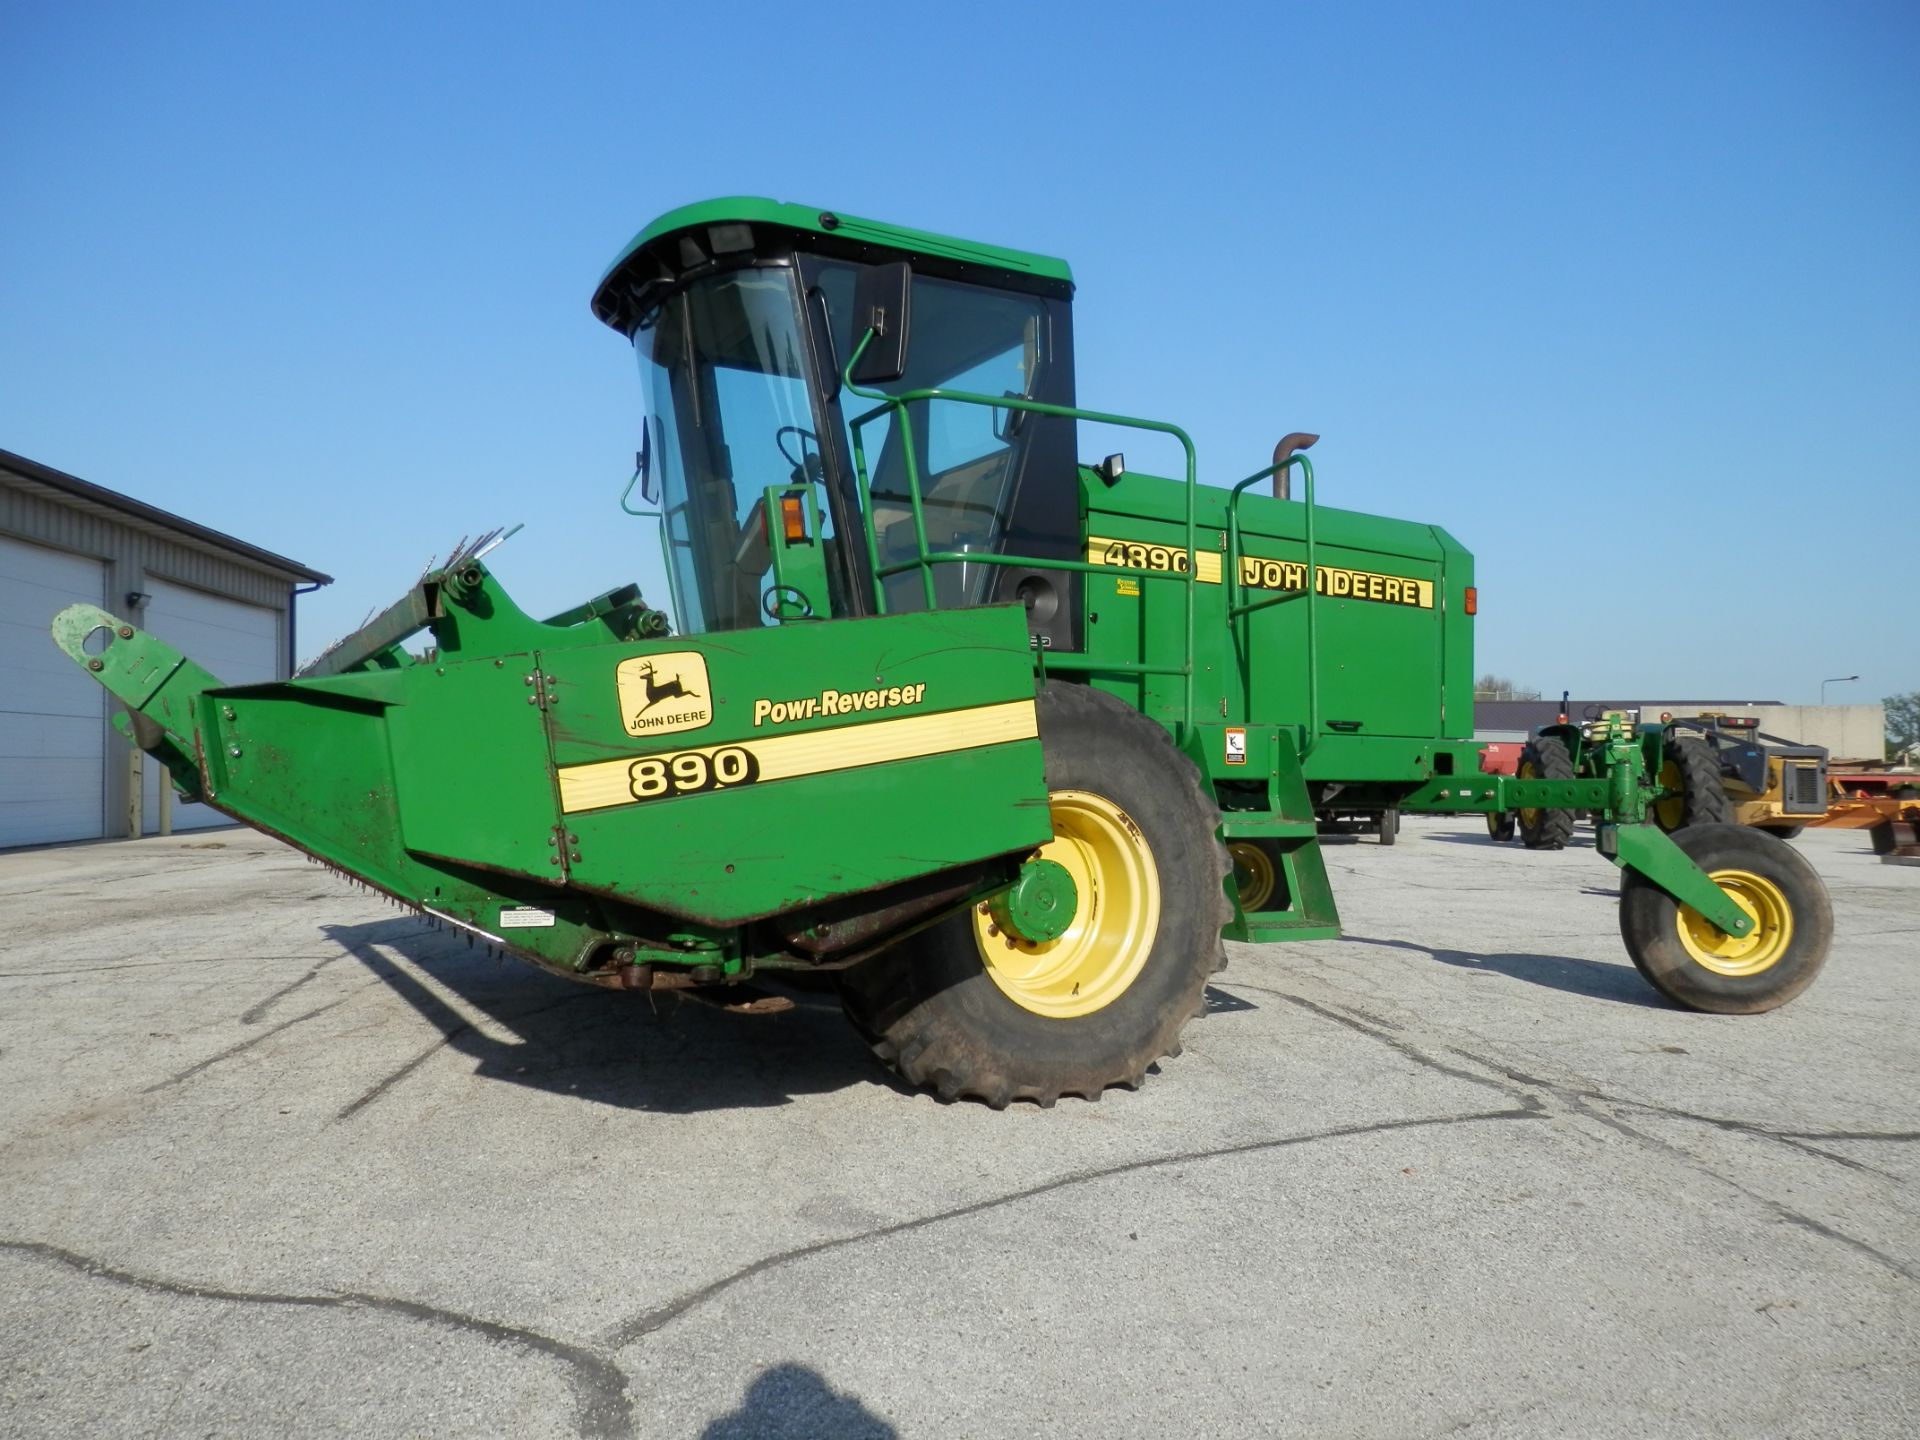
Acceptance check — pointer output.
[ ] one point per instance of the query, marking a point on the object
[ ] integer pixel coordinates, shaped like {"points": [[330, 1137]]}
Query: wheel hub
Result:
{"points": [[1761, 948], [1110, 924], [1040, 905]]}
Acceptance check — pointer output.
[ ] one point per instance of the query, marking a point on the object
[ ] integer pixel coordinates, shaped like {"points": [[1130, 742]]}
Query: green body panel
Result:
{"points": [[1394, 672], [438, 781], [742, 852], [806, 219]]}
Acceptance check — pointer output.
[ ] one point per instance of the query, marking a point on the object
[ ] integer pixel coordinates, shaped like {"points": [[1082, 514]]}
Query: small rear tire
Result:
{"points": [[1389, 826], [1545, 757], [1697, 965], [1500, 825]]}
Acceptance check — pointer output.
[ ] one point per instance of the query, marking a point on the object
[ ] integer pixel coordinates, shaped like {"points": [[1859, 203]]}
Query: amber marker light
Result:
{"points": [[793, 519], [1473, 600]]}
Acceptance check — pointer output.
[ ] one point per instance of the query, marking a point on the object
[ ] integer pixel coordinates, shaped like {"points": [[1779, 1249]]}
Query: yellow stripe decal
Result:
{"points": [[1134, 554], [663, 774], [1258, 573]]}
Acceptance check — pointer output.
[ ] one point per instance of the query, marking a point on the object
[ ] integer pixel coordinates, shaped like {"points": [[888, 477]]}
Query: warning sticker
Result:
{"points": [[525, 917], [1236, 746]]}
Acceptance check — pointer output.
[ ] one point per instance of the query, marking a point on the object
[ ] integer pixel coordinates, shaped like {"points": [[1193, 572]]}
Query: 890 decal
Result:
{"points": [[691, 772]]}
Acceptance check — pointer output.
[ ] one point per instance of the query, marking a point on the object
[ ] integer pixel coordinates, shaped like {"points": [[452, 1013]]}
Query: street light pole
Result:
{"points": [[1834, 681]]}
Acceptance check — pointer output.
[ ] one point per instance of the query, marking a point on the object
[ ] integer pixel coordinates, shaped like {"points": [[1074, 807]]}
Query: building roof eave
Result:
{"points": [[32, 475]]}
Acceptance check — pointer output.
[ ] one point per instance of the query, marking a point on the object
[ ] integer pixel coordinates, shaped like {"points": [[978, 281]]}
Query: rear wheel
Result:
{"points": [[1782, 832], [1695, 963], [1545, 758], [1389, 826], [1690, 778], [968, 1009], [1500, 824], [1255, 875]]}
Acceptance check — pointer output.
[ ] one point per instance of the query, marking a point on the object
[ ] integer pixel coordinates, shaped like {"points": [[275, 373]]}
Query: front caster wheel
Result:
{"points": [[969, 1008], [1695, 963], [1500, 825]]}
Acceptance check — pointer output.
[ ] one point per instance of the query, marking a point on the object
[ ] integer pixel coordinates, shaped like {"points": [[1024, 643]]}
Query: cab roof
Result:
{"points": [[830, 231]]}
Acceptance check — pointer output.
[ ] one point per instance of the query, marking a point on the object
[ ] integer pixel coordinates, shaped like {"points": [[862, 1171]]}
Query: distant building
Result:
{"points": [[65, 774]]}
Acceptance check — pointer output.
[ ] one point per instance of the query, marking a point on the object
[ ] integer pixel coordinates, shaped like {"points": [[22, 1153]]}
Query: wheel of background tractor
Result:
{"points": [[1255, 875], [1881, 837], [968, 1011], [1690, 775], [1389, 826], [1545, 758], [1695, 963], [1500, 824], [1782, 832]]}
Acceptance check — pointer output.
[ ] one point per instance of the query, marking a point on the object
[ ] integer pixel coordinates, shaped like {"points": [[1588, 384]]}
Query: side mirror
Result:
{"points": [[882, 303], [643, 464], [642, 474]]}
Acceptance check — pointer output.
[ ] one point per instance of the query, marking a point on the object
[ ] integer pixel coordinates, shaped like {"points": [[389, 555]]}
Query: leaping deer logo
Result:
{"points": [[664, 690]]}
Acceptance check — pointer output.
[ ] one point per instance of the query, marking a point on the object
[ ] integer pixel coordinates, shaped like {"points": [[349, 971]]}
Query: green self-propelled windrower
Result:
{"points": [[1003, 742]]}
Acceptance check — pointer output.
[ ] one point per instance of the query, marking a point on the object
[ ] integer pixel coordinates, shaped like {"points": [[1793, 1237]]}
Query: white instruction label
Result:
{"points": [[525, 917], [1236, 746]]}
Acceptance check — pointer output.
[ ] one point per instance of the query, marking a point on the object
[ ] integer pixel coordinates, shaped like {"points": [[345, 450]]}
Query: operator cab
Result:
{"points": [[745, 315]]}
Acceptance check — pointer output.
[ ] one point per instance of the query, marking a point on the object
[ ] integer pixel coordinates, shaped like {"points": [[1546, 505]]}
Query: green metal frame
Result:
{"points": [[924, 559]]}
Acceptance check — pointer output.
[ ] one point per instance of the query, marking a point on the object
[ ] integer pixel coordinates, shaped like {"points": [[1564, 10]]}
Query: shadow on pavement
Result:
{"points": [[791, 1402], [1480, 837], [638, 1051], [1599, 979]]}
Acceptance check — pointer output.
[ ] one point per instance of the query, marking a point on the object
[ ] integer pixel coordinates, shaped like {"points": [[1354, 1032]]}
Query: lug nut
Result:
{"points": [[125, 632], [96, 664]]}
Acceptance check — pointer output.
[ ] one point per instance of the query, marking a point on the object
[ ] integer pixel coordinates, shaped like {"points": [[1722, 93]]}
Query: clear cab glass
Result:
{"points": [[739, 368]]}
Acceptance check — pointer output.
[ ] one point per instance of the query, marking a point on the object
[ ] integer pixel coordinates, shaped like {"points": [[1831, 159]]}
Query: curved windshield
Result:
{"points": [[724, 366]]}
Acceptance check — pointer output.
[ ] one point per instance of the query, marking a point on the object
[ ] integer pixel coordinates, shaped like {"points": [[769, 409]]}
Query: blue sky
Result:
{"points": [[1624, 296]]}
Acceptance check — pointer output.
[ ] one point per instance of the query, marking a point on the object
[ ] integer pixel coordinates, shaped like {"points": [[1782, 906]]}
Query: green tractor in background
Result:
{"points": [[1002, 743]]}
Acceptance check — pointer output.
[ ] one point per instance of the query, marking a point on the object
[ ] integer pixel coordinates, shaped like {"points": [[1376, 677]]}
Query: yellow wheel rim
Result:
{"points": [[1253, 874], [1758, 950], [1102, 951], [1526, 770], [1671, 808]]}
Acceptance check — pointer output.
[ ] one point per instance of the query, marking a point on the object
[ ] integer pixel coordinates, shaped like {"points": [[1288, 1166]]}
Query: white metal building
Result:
{"points": [[65, 774]]}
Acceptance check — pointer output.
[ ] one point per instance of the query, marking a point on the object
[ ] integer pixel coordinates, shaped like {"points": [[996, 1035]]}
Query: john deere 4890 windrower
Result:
{"points": [[1004, 741]]}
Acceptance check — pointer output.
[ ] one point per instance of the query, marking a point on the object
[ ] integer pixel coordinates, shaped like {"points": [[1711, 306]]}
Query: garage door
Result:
{"points": [[52, 713], [240, 643]]}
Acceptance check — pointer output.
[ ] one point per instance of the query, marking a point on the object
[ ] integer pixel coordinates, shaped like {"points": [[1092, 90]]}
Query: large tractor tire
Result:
{"points": [[1694, 794], [1545, 758], [1696, 964], [968, 1011]]}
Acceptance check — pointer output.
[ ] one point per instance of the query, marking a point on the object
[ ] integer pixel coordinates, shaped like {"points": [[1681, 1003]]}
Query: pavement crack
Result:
{"points": [[603, 1408], [244, 1045], [638, 1327], [1372, 1027], [254, 1014], [1783, 1212]]}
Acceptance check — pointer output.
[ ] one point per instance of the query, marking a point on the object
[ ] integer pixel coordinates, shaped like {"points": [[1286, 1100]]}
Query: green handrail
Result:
{"points": [[924, 560], [1236, 607]]}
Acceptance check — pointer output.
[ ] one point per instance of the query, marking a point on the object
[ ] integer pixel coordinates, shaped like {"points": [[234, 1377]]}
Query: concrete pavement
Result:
{"points": [[275, 1159]]}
